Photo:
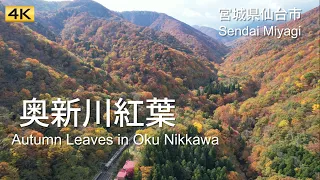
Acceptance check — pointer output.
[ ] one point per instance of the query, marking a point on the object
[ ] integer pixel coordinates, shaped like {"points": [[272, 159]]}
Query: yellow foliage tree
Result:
{"points": [[198, 126], [213, 133], [179, 81], [298, 84], [145, 172], [100, 131], [283, 123], [316, 108]]}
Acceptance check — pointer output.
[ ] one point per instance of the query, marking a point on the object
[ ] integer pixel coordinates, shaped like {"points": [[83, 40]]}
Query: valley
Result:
{"points": [[246, 111]]}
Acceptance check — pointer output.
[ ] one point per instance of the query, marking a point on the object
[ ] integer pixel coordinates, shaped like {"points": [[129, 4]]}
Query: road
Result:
{"points": [[110, 168]]}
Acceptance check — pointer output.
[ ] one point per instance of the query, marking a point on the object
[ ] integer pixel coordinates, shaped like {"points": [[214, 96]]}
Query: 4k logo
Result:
{"points": [[19, 14]]}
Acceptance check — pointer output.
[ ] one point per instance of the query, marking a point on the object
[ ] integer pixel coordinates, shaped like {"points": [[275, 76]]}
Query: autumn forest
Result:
{"points": [[258, 95]]}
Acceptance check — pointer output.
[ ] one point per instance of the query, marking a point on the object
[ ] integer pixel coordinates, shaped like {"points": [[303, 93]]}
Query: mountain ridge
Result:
{"points": [[104, 39], [214, 33], [194, 39]]}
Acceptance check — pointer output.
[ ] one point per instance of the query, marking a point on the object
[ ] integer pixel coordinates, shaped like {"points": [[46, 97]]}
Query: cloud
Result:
{"points": [[191, 13], [203, 12]]}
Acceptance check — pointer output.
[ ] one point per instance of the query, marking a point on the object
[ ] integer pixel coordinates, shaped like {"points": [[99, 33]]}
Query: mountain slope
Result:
{"points": [[33, 66], [92, 60], [107, 41], [55, 20], [280, 123], [194, 39], [211, 32], [49, 66]]}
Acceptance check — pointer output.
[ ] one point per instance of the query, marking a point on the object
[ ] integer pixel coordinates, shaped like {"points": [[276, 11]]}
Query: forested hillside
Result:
{"points": [[261, 99], [104, 39], [91, 55], [194, 39], [32, 66], [280, 123]]}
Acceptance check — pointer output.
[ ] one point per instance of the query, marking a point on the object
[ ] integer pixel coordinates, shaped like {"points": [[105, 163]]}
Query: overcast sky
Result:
{"points": [[203, 12]]}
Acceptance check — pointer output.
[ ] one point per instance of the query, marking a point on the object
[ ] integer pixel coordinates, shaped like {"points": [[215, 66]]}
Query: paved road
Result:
{"points": [[111, 166]]}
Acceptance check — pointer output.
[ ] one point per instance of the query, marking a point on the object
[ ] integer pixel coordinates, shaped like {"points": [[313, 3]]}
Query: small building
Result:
{"points": [[122, 174], [127, 171], [129, 168]]}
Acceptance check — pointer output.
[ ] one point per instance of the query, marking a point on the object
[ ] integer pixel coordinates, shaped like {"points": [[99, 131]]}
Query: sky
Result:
{"points": [[204, 12]]}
